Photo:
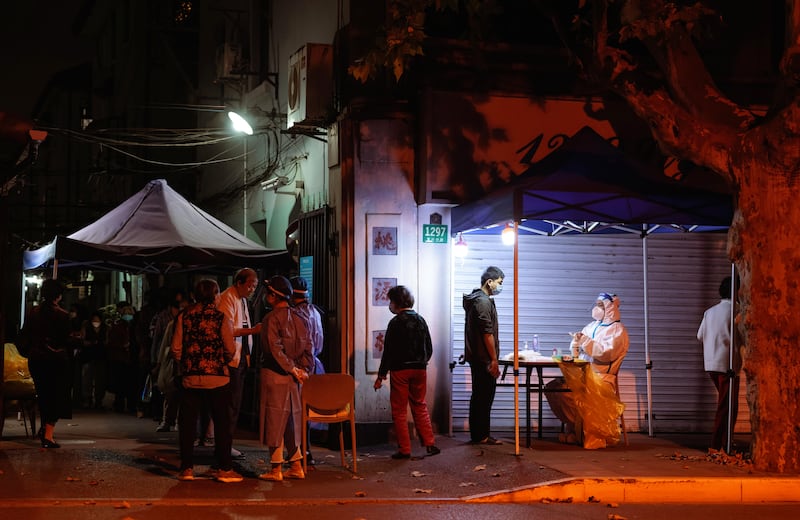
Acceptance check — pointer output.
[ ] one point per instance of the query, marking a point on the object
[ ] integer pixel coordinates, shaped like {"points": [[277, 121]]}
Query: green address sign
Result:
{"points": [[434, 234]]}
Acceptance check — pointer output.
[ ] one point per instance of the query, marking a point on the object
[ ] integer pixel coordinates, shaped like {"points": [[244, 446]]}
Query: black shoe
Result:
{"points": [[432, 450], [46, 443], [490, 441], [400, 455]]}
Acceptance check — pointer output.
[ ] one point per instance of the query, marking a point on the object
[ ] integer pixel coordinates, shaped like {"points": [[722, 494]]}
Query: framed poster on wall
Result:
{"points": [[383, 261]]}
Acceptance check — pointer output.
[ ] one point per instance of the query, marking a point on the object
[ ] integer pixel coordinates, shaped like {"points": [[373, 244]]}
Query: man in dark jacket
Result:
{"points": [[481, 351]]}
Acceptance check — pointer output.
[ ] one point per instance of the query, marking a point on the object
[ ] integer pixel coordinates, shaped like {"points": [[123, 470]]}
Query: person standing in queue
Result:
{"points": [[715, 335], [233, 303], [406, 352], [481, 351], [45, 340], [203, 347]]}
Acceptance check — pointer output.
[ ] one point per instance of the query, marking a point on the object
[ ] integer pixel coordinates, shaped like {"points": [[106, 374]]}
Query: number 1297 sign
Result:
{"points": [[434, 234]]}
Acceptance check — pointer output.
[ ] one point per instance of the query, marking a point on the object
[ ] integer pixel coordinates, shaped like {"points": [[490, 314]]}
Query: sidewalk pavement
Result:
{"points": [[108, 457]]}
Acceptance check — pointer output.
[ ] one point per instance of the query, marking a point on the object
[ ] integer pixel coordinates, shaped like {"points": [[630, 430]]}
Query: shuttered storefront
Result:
{"points": [[560, 278]]}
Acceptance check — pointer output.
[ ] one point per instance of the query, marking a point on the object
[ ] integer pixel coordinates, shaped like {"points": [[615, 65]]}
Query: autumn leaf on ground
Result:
{"points": [[479, 467], [124, 505], [612, 504], [417, 474], [418, 490], [467, 484], [361, 493], [614, 516], [73, 479]]}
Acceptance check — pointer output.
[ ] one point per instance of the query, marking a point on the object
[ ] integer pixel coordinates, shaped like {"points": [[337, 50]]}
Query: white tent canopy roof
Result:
{"points": [[155, 230]]}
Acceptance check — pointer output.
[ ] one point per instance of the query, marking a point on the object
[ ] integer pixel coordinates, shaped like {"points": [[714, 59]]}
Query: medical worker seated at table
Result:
{"points": [[591, 409]]}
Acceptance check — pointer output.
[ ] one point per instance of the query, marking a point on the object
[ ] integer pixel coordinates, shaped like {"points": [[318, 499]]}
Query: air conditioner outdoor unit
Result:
{"points": [[229, 61], [310, 87]]}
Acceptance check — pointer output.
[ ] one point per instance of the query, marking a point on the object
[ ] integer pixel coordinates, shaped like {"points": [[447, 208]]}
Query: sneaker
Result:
{"points": [[228, 476], [401, 455], [295, 471], [164, 428], [186, 474], [275, 474], [432, 450], [236, 454]]}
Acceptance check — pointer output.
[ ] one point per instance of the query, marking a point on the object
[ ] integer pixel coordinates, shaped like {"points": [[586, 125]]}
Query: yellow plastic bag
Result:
{"points": [[17, 382], [597, 405]]}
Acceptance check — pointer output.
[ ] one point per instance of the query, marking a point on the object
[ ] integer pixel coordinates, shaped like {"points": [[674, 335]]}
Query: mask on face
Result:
{"points": [[598, 313], [498, 288], [127, 317]]}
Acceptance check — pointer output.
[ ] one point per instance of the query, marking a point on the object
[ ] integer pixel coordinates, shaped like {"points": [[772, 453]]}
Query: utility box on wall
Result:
{"points": [[310, 87]]}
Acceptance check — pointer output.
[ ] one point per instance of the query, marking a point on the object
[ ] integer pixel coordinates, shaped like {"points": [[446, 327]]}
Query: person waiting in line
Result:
{"points": [[603, 342], [233, 303], [313, 318], [715, 335], [121, 363], [164, 410], [286, 359], [45, 340], [481, 351], [93, 356], [203, 347], [407, 348]]}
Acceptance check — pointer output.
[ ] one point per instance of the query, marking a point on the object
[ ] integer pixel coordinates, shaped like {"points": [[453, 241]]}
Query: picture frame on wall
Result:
{"points": [[375, 351], [384, 240], [380, 291]]}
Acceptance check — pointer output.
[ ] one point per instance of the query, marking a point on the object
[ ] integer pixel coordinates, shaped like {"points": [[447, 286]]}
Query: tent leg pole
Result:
{"points": [[647, 362]]}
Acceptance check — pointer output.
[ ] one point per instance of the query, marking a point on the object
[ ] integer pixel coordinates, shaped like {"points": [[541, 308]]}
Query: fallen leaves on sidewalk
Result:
{"points": [[715, 456], [73, 479], [479, 467], [614, 516], [467, 484], [124, 505], [428, 491], [417, 474]]}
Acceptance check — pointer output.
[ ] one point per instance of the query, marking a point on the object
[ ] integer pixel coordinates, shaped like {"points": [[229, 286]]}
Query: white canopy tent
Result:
{"points": [[157, 231]]}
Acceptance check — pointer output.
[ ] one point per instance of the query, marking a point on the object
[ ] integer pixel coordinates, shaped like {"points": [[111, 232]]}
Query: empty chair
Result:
{"points": [[329, 398]]}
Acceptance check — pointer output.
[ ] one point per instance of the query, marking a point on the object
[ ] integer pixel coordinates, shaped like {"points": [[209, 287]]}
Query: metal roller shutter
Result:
{"points": [[559, 281]]}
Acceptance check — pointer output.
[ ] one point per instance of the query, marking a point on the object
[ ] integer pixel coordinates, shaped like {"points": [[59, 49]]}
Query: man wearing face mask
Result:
{"points": [[603, 342], [481, 351]]}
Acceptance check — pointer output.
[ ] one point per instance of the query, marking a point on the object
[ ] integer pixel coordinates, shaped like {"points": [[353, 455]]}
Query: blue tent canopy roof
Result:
{"points": [[590, 180]]}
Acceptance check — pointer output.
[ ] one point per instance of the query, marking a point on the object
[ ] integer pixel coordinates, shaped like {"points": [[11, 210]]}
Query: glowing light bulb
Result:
{"points": [[508, 235], [240, 124], [460, 249]]}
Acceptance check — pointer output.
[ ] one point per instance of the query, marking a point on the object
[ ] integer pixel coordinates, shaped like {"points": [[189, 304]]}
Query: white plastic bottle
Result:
{"points": [[536, 343]]}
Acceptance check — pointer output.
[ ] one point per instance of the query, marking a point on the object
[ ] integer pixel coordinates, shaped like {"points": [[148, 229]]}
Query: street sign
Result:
{"points": [[434, 233]]}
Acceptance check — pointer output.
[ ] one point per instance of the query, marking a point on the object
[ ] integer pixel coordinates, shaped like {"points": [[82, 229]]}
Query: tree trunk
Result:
{"points": [[763, 243]]}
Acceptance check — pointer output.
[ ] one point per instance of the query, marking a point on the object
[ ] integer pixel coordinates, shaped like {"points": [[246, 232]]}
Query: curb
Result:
{"points": [[651, 490]]}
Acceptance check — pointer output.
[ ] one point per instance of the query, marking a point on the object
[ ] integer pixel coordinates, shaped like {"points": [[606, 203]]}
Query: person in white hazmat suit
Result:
{"points": [[603, 343]]}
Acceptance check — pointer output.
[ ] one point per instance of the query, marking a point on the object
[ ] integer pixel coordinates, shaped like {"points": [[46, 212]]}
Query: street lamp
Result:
{"points": [[240, 124]]}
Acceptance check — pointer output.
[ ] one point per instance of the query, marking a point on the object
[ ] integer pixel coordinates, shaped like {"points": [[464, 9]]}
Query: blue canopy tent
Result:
{"points": [[586, 186]]}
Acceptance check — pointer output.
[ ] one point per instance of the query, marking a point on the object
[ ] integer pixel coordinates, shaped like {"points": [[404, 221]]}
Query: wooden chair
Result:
{"points": [[329, 398]]}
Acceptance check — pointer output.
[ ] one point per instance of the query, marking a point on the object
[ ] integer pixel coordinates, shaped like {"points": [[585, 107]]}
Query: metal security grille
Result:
{"points": [[315, 240], [559, 279]]}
